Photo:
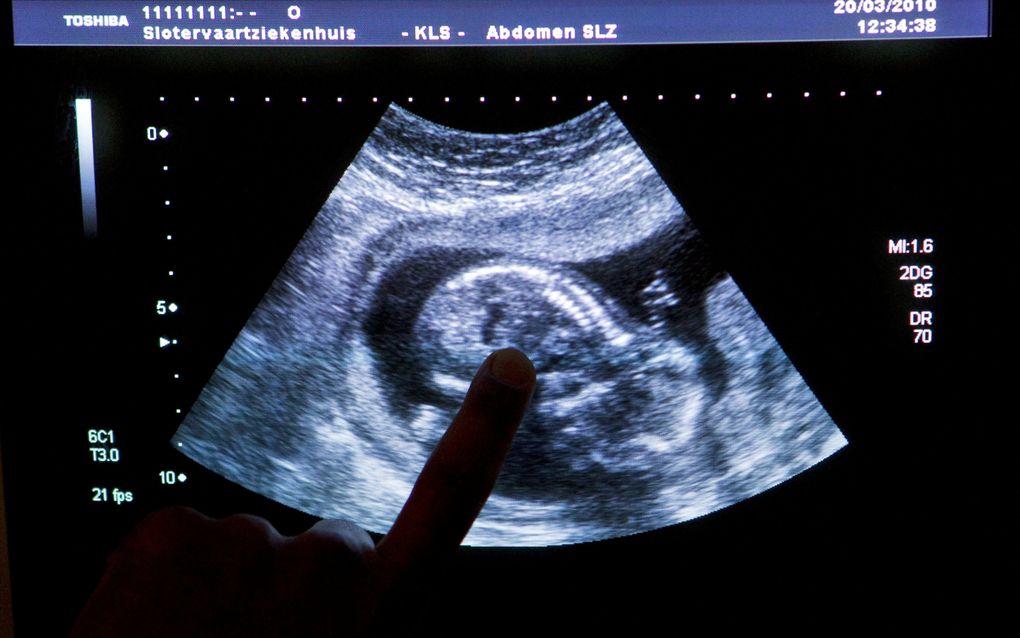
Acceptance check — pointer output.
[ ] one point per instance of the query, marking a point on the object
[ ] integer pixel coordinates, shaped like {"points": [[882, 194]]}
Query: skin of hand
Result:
{"points": [[180, 573]]}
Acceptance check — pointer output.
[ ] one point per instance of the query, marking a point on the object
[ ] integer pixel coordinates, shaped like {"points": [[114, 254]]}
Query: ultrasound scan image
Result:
{"points": [[661, 394]]}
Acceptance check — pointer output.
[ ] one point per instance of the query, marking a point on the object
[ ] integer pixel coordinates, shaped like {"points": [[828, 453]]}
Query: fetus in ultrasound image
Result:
{"points": [[661, 394]]}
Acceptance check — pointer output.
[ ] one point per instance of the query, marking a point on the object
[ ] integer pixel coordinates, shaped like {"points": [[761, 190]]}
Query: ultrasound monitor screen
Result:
{"points": [[662, 396], [747, 247]]}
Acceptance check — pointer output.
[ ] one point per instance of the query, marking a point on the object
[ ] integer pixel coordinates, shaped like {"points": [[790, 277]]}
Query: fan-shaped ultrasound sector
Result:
{"points": [[662, 396]]}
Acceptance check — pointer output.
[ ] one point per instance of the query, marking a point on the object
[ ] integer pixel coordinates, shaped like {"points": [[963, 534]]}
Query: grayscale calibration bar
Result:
{"points": [[86, 166], [429, 23]]}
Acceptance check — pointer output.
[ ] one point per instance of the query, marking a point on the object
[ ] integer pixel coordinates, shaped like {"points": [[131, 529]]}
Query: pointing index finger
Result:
{"points": [[461, 471]]}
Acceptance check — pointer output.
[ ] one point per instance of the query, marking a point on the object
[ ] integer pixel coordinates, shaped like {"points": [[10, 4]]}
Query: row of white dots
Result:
{"points": [[554, 98]]}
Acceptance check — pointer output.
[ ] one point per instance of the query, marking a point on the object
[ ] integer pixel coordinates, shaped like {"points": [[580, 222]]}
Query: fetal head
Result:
{"points": [[606, 396], [551, 314]]}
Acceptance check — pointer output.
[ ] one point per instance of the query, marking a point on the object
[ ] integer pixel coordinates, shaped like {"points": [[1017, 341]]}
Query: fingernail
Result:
{"points": [[511, 367]]}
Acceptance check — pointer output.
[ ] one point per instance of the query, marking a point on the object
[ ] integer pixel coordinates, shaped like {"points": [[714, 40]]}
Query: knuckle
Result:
{"points": [[159, 536]]}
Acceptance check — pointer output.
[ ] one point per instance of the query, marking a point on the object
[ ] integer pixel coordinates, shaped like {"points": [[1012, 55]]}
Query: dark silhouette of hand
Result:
{"points": [[181, 574]]}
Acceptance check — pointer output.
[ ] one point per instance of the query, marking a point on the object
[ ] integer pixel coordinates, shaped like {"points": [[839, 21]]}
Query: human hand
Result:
{"points": [[180, 573]]}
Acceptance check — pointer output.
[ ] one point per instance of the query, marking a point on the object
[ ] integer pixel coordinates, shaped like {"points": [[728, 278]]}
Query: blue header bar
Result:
{"points": [[430, 23]]}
